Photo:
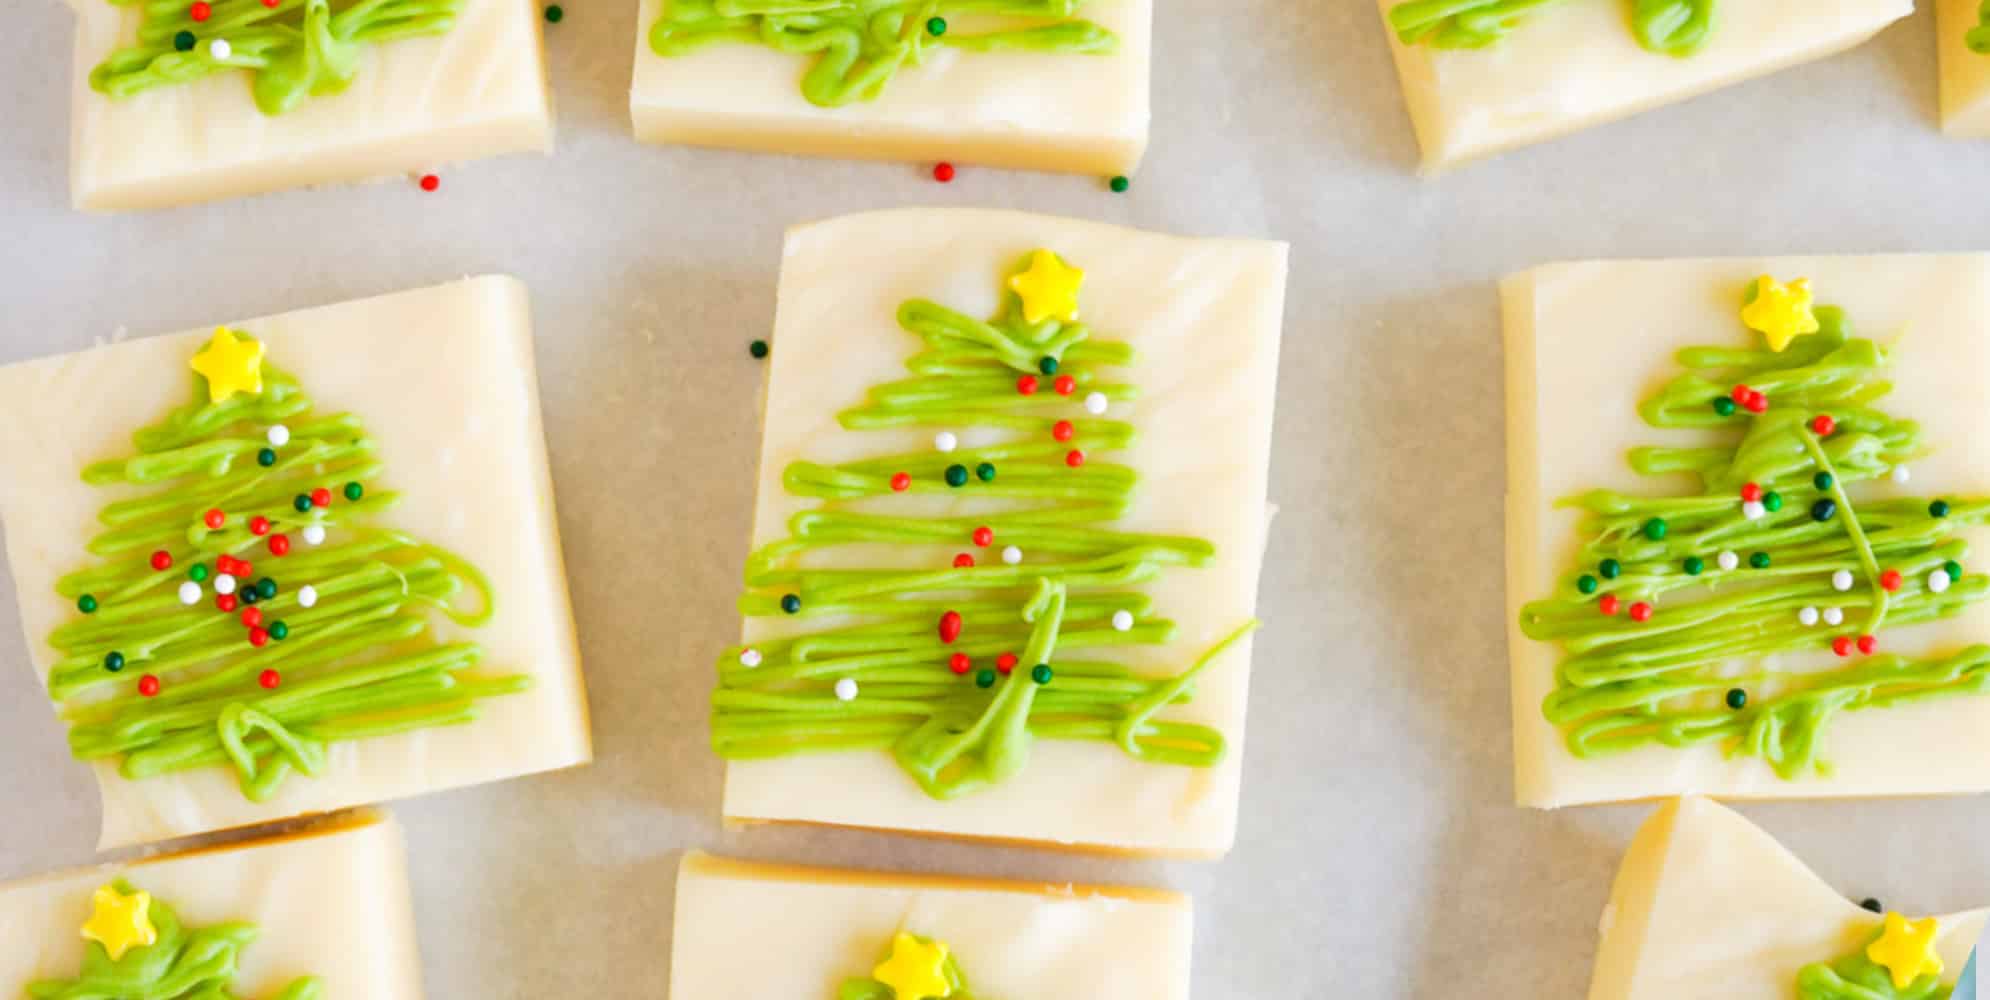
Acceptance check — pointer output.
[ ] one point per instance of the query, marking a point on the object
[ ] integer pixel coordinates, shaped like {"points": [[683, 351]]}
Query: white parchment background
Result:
{"points": [[1380, 856]]}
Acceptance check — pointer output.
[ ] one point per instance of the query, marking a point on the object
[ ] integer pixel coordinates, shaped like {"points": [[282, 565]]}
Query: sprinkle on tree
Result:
{"points": [[1673, 619]]}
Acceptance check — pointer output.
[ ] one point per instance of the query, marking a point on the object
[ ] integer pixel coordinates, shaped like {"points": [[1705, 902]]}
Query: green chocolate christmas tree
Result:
{"points": [[969, 635], [1666, 27], [857, 46], [1674, 618], [246, 612], [915, 968], [139, 950], [1897, 963]]}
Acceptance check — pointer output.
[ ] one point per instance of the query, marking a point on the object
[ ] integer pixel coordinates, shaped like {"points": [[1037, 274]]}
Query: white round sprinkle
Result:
{"points": [[1122, 620], [189, 593], [1012, 555], [307, 596], [1727, 559], [224, 584], [1939, 581], [1807, 616], [220, 49], [314, 534], [279, 435], [846, 690], [1834, 616], [1841, 580], [749, 657], [945, 441], [1900, 474], [1753, 510], [1095, 403]]}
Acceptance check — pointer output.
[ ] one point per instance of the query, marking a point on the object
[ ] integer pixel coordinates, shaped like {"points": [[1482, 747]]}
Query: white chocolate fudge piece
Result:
{"points": [[1203, 317], [330, 902], [442, 379], [1585, 343], [1010, 939], [1071, 112], [1709, 906], [1575, 63], [417, 103], [1965, 74]]}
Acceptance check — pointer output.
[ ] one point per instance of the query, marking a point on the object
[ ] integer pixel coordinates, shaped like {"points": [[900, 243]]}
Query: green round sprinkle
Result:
{"points": [[87, 604], [1823, 480], [1119, 184], [113, 661], [554, 13], [279, 631], [1040, 673], [183, 41], [758, 348], [266, 457], [985, 472], [1772, 500], [791, 603], [248, 595], [266, 587], [956, 475], [302, 503], [1610, 568], [1824, 509], [1724, 406], [1047, 365], [936, 26], [1736, 698], [986, 679], [1953, 569], [1655, 529], [1759, 560], [197, 572], [354, 491], [1695, 565], [1939, 508], [1586, 583], [1872, 905]]}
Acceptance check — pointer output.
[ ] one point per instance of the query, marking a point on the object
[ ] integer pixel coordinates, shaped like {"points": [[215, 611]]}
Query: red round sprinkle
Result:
{"points": [[1822, 424], [1062, 430], [321, 497], [258, 636], [1006, 662], [1026, 385], [226, 602], [1890, 579], [1074, 458], [200, 11], [252, 617], [259, 525], [1741, 393], [960, 663], [1607, 604], [430, 182], [984, 536], [1842, 645], [950, 626], [1064, 384], [242, 568], [224, 563], [162, 559], [214, 520], [1867, 644], [943, 172], [1641, 612], [269, 679], [148, 686], [271, 4], [900, 482], [1756, 402], [279, 545], [1751, 492], [963, 561]]}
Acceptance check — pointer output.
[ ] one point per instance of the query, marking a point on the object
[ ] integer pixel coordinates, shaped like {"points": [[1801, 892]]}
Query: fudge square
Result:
{"points": [[327, 904], [339, 584], [1002, 84], [1086, 468], [879, 935], [470, 86], [1726, 634]]}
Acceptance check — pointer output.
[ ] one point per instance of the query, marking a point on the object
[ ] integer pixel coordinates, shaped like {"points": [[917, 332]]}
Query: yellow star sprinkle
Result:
{"points": [[121, 922], [916, 969], [231, 365], [1781, 313], [1049, 288], [1907, 949]]}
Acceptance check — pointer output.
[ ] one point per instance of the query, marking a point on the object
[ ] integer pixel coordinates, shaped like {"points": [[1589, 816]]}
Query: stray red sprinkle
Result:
{"points": [[943, 172], [430, 182]]}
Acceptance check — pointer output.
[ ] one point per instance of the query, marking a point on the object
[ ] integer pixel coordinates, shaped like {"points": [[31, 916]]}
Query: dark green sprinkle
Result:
{"points": [[183, 41], [1119, 184], [1954, 569], [936, 26], [1040, 673], [1939, 508], [956, 475], [354, 491], [758, 348], [87, 604], [266, 457], [113, 661], [791, 603], [1736, 698], [197, 572], [1047, 365], [1759, 560], [554, 13], [1871, 904], [986, 679], [985, 472], [1824, 509], [1724, 406], [279, 631], [302, 503], [1610, 568], [266, 587], [1772, 500], [1655, 529], [1586, 583], [1823, 480], [1694, 565], [248, 595]]}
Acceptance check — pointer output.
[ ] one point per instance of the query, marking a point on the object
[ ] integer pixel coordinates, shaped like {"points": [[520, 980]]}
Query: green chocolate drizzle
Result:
{"points": [[859, 45], [866, 988], [1625, 685], [1664, 27], [1978, 38], [359, 664], [295, 50], [951, 733], [183, 964], [1856, 977]]}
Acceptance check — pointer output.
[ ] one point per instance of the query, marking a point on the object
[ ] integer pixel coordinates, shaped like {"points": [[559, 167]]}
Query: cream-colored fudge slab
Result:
{"points": [[1584, 343], [1709, 906], [1965, 74], [331, 903], [443, 379], [746, 931], [1204, 317], [1029, 110], [1576, 63], [418, 103]]}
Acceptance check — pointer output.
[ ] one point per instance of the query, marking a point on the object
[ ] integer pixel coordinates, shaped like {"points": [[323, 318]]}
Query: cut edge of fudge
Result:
{"points": [[698, 862]]}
